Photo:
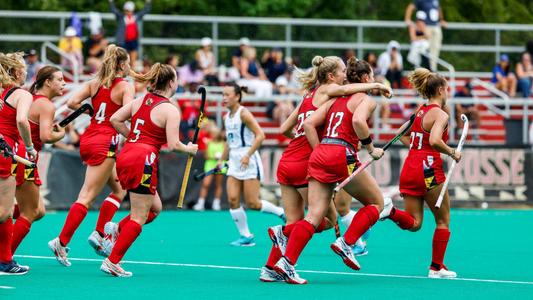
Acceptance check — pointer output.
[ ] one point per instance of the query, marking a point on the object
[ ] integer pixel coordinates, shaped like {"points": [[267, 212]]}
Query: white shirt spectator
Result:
{"points": [[384, 60]]}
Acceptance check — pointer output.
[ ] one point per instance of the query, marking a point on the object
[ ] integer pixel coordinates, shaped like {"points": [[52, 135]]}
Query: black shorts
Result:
{"points": [[141, 189], [131, 45]]}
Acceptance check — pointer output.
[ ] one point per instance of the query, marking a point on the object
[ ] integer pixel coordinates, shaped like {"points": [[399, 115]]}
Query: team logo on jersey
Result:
{"points": [[146, 179], [149, 102], [420, 113], [111, 152], [429, 173], [29, 174]]}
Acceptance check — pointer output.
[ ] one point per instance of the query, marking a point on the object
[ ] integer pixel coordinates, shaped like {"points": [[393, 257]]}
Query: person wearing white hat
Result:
{"points": [[127, 35], [390, 64], [71, 44], [236, 56], [206, 61]]}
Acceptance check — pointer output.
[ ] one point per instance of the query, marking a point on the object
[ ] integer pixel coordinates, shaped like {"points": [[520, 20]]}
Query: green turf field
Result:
{"points": [[185, 255]]}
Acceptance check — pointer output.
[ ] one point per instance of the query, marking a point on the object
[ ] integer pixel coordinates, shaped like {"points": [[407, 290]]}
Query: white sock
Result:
{"points": [[270, 208], [239, 216], [347, 219], [216, 200], [201, 201]]}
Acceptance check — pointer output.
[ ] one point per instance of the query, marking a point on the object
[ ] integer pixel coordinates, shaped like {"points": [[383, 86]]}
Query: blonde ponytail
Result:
{"points": [[9, 64], [158, 77], [318, 73], [113, 57], [426, 83]]}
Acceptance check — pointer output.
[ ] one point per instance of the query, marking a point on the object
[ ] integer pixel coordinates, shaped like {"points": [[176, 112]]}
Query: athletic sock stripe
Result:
{"points": [[113, 201]]}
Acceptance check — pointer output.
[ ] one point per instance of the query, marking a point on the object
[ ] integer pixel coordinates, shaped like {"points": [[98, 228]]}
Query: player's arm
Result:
{"points": [[437, 130], [23, 103], [287, 127], [335, 90], [250, 122], [363, 111], [83, 93], [119, 118], [317, 118], [48, 131], [172, 118], [409, 13]]}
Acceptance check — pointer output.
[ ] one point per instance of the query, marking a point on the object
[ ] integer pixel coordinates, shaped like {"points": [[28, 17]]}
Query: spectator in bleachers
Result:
{"points": [[206, 60], [253, 76], [419, 36], [431, 12], [127, 35], [503, 78], [172, 60], [390, 64], [190, 74], [94, 50], [236, 56], [33, 65], [279, 109], [71, 44], [273, 64], [524, 72], [468, 109], [189, 113], [347, 54]]}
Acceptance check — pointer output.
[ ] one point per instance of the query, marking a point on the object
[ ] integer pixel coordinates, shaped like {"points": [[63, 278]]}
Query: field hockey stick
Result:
{"points": [[367, 163], [8, 152], [216, 169], [458, 149], [185, 180], [77, 113]]}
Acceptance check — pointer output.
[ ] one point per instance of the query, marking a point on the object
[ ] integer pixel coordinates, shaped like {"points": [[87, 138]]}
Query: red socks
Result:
{"points": [[75, 216], [110, 205], [322, 226], [20, 230], [362, 221], [6, 235], [123, 222], [275, 255], [402, 219], [287, 229], [301, 234], [128, 235], [440, 241]]}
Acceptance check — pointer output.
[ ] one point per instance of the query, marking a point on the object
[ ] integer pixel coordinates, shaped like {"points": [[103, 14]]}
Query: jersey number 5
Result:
{"points": [[332, 128], [137, 130]]}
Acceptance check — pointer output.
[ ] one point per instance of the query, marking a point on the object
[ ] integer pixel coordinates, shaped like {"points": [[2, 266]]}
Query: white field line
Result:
{"points": [[300, 271], [5, 287]]}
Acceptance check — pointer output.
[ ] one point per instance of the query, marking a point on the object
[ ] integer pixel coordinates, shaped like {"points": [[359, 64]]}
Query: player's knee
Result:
{"points": [[35, 214], [444, 223], [416, 227]]}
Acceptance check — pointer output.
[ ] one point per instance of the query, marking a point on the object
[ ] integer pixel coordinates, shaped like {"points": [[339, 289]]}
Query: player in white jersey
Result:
{"points": [[244, 137]]}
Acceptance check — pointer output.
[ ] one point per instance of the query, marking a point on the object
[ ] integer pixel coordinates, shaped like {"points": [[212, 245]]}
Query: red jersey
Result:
{"points": [[419, 136], [422, 169], [104, 106], [8, 118], [339, 122], [299, 148], [144, 130], [35, 128]]}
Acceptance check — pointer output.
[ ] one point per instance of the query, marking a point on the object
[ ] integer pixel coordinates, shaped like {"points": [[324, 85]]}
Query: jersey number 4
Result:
{"points": [[333, 125], [100, 114], [137, 130]]}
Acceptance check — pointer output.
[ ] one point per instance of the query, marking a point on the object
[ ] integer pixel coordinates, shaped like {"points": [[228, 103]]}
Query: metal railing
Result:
{"points": [[74, 76], [491, 88], [287, 40]]}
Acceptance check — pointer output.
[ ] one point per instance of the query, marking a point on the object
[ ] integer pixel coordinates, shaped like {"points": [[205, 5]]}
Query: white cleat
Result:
{"points": [[199, 206], [114, 269], [110, 238], [345, 252], [269, 275], [216, 205], [442, 273], [96, 242], [59, 251], [284, 268], [387, 207], [278, 238]]}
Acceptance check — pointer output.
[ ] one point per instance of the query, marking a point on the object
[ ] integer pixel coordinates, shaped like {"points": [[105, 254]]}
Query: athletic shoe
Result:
{"points": [[114, 269], [284, 268], [13, 268], [199, 206], [110, 237], [269, 275], [278, 238], [244, 241], [97, 243], [283, 218], [359, 250], [59, 251], [387, 207], [216, 205], [442, 273], [345, 252]]}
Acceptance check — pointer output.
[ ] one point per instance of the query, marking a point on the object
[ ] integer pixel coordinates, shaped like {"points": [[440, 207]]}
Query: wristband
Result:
{"points": [[453, 153], [30, 148], [366, 141]]}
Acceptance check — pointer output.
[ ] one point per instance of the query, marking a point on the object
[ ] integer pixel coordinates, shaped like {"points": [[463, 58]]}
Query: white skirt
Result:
{"points": [[254, 169]]}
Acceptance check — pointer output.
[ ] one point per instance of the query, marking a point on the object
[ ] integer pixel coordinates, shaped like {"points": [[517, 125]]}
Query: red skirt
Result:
{"points": [[137, 166], [97, 144], [293, 173], [421, 172], [7, 164], [332, 163], [24, 173]]}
